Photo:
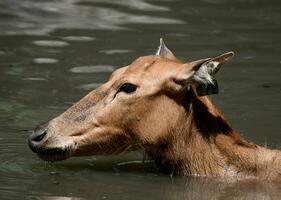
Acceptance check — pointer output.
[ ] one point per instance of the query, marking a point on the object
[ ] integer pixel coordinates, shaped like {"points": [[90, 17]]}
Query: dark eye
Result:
{"points": [[127, 88]]}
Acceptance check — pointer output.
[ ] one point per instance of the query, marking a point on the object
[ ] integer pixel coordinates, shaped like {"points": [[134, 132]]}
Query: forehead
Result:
{"points": [[151, 66]]}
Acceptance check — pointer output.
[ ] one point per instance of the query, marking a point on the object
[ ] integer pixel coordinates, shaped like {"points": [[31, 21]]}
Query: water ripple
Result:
{"points": [[116, 51], [89, 86], [45, 60], [132, 4], [42, 197], [50, 43], [43, 17], [34, 79], [92, 69], [12, 162], [78, 38]]}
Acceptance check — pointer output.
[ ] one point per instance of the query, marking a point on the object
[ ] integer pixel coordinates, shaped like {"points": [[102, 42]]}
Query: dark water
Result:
{"points": [[53, 52]]}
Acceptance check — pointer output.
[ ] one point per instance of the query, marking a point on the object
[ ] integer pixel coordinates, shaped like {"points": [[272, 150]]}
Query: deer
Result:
{"points": [[156, 104]]}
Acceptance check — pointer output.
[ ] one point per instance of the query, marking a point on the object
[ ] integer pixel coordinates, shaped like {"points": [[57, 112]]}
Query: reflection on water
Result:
{"points": [[90, 86], [50, 43], [42, 197], [116, 51], [45, 60], [92, 69], [40, 17], [79, 38], [53, 52], [120, 185]]}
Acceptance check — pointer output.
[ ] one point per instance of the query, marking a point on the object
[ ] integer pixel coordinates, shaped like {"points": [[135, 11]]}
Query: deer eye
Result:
{"points": [[127, 88]]}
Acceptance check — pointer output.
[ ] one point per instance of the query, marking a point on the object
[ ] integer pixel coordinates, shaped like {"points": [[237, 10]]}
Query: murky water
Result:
{"points": [[54, 52]]}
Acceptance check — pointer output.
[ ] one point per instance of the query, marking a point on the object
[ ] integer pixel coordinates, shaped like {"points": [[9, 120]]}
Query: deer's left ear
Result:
{"points": [[201, 72]]}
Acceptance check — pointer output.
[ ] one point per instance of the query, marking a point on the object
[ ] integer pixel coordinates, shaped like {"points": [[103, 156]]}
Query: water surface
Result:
{"points": [[54, 52]]}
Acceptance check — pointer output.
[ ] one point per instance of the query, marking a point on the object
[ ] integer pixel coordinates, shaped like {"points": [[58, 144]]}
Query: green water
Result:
{"points": [[53, 52]]}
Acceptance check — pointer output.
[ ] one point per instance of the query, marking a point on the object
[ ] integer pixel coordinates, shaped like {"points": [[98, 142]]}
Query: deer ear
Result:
{"points": [[204, 70], [164, 52], [201, 73]]}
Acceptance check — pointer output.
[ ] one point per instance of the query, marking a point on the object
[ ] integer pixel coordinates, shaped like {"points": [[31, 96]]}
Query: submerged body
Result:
{"points": [[152, 104]]}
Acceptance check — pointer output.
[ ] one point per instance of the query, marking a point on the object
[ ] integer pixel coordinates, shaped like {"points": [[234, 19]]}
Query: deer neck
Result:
{"points": [[204, 144]]}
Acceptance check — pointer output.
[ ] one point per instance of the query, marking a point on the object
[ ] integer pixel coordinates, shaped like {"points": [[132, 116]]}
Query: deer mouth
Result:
{"points": [[54, 154], [51, 154]]}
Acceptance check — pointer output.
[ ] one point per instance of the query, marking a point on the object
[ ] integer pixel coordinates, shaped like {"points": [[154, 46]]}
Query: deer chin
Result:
{"points": [[54, 154]]}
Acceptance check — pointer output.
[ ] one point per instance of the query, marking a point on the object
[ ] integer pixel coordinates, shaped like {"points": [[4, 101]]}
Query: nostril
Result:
{"points": [[40, 137], [35, 139]]}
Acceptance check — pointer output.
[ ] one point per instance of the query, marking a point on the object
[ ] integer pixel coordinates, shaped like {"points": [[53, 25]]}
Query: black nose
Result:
{"points": [[37, 136]]}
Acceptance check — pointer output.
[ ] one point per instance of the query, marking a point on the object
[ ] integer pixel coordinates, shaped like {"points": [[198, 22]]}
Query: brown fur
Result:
{"points": [[184, 134], [204, 144]]}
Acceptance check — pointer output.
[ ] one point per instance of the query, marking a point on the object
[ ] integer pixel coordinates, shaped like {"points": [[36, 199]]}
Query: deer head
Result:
{"points": [[139, 105]]}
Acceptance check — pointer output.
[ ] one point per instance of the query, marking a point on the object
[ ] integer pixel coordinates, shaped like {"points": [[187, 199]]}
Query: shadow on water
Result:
{"points": [[54, 52]]}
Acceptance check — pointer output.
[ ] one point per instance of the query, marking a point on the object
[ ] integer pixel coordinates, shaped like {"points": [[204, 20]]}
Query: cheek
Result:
{"points": [[157, 120], [149, 128], [112, 115]]}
